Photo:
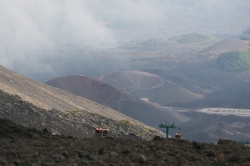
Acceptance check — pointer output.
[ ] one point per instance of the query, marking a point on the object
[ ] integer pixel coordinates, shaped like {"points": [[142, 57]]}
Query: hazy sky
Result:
{"points": [[30, 27]]}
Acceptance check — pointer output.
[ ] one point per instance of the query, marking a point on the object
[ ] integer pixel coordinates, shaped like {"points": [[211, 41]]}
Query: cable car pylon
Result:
{"points": [[167, 126]]}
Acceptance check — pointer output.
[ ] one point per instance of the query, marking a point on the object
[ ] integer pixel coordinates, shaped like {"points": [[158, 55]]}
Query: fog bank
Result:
{"points": [[31, 30]]}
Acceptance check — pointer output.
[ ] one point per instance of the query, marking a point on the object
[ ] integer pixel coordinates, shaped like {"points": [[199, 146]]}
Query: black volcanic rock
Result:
{"points": [[46, 149]]}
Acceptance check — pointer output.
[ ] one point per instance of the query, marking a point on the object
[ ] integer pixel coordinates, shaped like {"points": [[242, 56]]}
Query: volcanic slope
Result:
{"points": [[108, 95], [131, 80], [209, 128], [236, 96], [167, 94], [34, 104], [147, 85], [224, 46], [26, 146]]}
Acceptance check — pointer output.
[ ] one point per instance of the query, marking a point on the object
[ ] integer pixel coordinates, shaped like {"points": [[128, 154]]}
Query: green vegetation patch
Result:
{"points": [[186, 39], [235, 61], [245, 38], [125, 122], [195, 39], [153, 42], [74, 111]]}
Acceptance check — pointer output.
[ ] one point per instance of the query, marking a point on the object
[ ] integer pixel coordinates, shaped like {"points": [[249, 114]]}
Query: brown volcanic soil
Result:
{"points": [[47, 97], [152, 86], [130, 80], [92, 89], [25, 146], [108, 95], [225, 46], [168, 93]]}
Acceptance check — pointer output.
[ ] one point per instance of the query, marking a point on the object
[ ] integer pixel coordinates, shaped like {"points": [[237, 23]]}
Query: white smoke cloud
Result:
{"points": [[129, 10], [29, 28]]}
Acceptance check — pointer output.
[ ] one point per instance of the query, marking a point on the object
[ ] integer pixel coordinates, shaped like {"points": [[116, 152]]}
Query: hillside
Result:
{"points": [[167, 94], [23, 98], [224, 46], [26, 146], [182, 82], [47, 97], [89, 88], [235, 61], [195, 39], [152, 42], [131, 80], [210, 128], [146, 85], [185, 39], [112, 97], [236, 96]]}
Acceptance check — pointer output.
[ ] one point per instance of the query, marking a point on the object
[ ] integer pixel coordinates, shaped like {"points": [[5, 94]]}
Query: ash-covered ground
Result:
{"points": [[26, 146]]}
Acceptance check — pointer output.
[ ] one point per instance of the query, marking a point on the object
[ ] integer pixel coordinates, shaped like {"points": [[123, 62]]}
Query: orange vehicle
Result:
{"points": [[105, 132], [102, 132], [98, 131]]}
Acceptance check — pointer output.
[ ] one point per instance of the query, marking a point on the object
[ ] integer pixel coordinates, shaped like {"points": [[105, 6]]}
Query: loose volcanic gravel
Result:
{"points": [[25, 146], [76, 123]]}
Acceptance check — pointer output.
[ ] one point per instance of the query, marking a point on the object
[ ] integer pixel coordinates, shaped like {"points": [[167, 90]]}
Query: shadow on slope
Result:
{"points": [[168, 93], [147, 85], [236, 96], [185, 84]]}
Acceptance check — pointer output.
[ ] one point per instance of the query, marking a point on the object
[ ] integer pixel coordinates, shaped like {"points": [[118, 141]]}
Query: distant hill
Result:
{"points": [[153, 42], [186, 39], [178, 80], [224, 46], [210, 128], [235, 96], [235, 61], [168, 93], [130, 80], [110, 96], [142, 84], [195, 39]]}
